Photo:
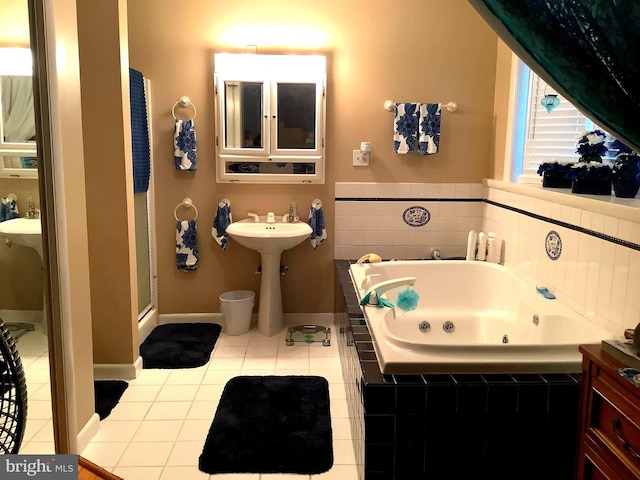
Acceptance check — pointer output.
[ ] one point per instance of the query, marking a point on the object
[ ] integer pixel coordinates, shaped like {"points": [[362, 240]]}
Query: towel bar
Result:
{"points": [[451, 106]]}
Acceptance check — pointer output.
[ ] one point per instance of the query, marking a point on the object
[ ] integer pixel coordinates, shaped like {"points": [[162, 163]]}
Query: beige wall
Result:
{"points": [[20, 270], [104, 75], [503, 110], [414, 51]]}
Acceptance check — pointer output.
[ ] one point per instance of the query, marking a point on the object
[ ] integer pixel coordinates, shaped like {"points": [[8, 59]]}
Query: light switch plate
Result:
{"points": [[359, 160]]}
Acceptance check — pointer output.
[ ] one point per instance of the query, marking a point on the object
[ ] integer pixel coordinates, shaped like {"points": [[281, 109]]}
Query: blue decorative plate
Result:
{"points": [[416, 216], [553, 245]]}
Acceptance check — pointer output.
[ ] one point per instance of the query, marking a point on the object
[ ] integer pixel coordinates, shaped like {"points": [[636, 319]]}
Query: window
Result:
{"points": [[545, 136]]}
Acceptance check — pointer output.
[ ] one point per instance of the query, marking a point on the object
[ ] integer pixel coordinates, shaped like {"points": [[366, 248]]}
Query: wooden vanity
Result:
{"points": [[609, 445]]}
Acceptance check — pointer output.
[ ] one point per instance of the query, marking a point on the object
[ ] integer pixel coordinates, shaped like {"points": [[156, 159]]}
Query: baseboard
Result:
{"points": [[308, 318], [148, 323], [91, 428], [288, 318], [117, 371], [190, 318]]}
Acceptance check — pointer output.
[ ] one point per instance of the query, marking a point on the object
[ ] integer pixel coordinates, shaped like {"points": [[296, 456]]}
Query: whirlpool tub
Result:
{"points": [[472, 317]]}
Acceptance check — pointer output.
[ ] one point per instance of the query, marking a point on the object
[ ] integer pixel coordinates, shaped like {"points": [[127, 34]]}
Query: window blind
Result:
{"points": [[550, 136]]}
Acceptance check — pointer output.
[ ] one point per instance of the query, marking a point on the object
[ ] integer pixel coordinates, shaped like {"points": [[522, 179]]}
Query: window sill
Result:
{"points": [[625, 208]]}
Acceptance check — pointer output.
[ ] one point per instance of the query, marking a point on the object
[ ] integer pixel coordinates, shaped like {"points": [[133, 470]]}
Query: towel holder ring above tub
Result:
{"points": [[184, 102], [186, 203]]}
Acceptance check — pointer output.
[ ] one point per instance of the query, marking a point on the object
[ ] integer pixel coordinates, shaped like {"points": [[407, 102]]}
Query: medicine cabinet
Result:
{"points": [[270, 118], [17, 121]]}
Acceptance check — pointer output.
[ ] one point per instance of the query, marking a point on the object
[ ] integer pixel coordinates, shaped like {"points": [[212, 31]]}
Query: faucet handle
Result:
{"points": [[255, 217], [285, 217]]}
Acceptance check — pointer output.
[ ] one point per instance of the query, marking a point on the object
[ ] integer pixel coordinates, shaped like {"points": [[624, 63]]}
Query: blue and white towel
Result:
{"points": [[221, 222], [8, 208], [430, 115], [184, 144], [316, 222], [187, 253], [405, 127]]}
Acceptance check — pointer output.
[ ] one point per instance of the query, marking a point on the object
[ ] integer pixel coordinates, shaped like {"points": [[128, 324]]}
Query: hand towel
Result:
{"points": [[184, 143], [430, 115], [221, 222], [8, 208], [405, 127], [139, 132], [316, 222], [187, 253]]}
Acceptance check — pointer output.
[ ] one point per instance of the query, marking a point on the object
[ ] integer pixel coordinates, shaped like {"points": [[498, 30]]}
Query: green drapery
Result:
{"points": [[588, 50]]}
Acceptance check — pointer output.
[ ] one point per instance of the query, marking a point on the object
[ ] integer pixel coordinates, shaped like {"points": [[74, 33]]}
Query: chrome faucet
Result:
{"points": [[271, 218], [379, 288], [435, 254]]}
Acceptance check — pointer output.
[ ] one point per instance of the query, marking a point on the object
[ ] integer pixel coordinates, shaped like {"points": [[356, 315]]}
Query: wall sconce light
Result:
{"points": [[550, 100], [361, 157]]}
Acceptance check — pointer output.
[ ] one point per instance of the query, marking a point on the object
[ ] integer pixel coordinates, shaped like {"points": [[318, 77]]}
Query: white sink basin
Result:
{"points": [[268, 237], [23, 231]]}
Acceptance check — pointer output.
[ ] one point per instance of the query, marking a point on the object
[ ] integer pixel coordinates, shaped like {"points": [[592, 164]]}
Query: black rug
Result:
{"points": [[270, 425], [107, 395], [179, 345]]}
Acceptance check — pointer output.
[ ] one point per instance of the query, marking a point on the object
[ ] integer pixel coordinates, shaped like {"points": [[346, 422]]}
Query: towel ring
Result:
{"points": [[186, 203], [184, 102], [451, 106]]}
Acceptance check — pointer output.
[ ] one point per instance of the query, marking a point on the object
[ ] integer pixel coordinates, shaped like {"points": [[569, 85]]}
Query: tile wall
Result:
{"points": [[369, 218], [598, 271], [596, 274]]}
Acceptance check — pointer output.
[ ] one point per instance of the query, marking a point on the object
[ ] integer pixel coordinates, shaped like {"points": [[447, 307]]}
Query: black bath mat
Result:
{"points": [[270, 425], [179, 345], [107, 395]]}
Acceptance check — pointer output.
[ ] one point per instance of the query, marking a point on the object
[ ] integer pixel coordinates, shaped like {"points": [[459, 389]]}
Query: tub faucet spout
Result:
{"points": [[372, 296]]}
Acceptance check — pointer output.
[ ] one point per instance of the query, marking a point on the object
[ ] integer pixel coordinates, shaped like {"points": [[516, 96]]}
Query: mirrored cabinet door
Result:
{"points": [[17, 119], [270, 118]]}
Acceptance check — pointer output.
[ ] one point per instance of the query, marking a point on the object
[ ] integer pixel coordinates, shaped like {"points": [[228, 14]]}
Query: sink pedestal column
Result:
{"points": [[270, 317]]}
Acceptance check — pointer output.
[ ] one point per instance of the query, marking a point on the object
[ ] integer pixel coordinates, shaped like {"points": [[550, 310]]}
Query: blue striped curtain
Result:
{"points": [[139, 132]]}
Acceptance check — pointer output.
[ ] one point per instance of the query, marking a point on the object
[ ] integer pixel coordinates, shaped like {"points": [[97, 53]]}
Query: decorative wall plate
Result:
{"points": [[416, 216], [553, 245]]}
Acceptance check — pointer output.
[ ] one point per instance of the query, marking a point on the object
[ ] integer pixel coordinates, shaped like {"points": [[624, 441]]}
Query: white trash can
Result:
{"points": [[236, 307]]}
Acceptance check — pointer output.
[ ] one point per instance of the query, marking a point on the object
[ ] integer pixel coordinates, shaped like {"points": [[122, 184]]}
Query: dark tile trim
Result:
{"points": [[413, 199], [570, 226]]}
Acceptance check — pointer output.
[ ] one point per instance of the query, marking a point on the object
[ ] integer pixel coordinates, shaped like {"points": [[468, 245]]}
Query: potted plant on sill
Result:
{"points": [[589, 175], [625, 174], [554, 174]]}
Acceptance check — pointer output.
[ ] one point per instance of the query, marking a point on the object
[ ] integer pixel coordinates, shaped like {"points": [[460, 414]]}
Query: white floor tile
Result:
{"points": [[177, 393], [185, 453], [340, 428], [338, 472], [30, 448], [183, 473], [39, 409], [158, 431], [225, 364], [202, 410], [138, 473], [45, 434], [330, 363], [145, 454], [168, 411], [292, 363], [140, 393], [343, 452], [185, 377], [116, 430], [283, 476], [33, 426], [259, 364], [104, 454], [339, 408], [130, 411], [261, 351], [195, 430], [151, 377], [233, 340], [219, 377], [229, 352], [209, 393]]}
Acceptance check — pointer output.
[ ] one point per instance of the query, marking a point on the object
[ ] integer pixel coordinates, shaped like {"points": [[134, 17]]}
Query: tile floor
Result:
{"points": [[158, 429]]}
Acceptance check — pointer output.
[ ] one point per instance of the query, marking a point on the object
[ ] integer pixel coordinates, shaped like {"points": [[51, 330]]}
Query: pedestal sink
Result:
{"points": [[23, 231], [270, 239], [28, 233]]}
